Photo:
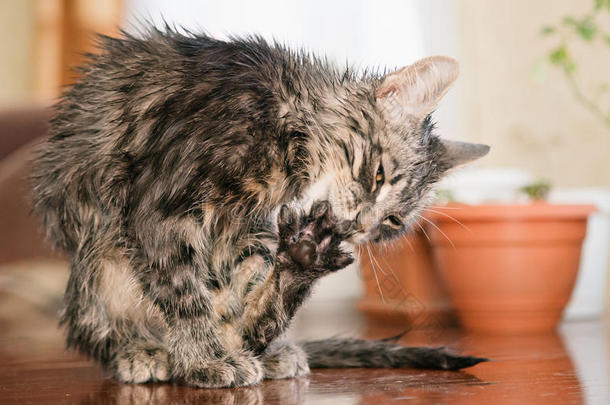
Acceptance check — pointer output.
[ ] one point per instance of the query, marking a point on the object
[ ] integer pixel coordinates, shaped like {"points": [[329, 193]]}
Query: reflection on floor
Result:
{"points": [[569, 367]]}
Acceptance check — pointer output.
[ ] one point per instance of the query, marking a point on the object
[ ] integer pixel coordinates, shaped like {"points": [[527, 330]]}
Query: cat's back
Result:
{"points": [[143, 109], [81, 174]]}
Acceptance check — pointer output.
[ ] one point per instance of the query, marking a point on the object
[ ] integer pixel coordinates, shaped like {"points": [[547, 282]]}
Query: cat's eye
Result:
{"points": [[380, 176], [393, 221]]}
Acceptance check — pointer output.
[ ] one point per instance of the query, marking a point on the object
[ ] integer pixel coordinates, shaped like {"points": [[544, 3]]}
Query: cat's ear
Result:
{"points": [[415, 90], [456, 153]]}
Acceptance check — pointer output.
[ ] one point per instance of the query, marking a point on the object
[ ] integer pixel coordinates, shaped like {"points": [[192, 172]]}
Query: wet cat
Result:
{"points": [[201, 187]]}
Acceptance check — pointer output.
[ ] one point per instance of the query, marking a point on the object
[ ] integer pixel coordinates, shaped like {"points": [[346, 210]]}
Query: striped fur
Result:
{"points": [[200, 188]]}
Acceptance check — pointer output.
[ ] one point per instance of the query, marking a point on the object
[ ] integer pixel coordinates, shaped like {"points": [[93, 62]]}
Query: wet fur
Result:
{"points": [[163, 182]]}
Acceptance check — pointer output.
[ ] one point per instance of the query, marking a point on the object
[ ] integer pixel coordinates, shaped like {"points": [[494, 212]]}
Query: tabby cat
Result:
{"points": [[201, 187]]}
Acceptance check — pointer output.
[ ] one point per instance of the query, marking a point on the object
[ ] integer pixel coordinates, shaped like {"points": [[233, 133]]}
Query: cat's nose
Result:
{"points": [[357, 225], [359, 228]]}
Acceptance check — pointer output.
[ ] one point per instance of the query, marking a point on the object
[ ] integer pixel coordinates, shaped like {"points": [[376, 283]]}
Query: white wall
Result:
{"points": [[385, 33], [16, 45]]}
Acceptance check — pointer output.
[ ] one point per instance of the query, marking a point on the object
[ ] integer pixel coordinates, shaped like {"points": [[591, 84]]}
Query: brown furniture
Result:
{"points": [[64, 31], [36, 369], [20, 131]]}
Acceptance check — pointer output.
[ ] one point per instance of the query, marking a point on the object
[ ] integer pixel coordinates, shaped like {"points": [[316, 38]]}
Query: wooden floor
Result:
{"points": [[570, 367]]}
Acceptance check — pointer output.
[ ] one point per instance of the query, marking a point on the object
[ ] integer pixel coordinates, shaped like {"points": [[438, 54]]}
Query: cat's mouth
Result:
{"points": [[359, 237], [359, 234]]}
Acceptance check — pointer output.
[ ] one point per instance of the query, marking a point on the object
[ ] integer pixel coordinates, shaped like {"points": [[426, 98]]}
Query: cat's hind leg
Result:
{"points": [[109, 319], [117, 345], [139, 355], [284, 360]]}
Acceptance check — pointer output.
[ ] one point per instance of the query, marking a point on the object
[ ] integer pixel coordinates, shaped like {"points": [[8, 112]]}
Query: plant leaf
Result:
{"points": [[538, 190], [558, 55], [587, 29], [547, 30], [568, 20]]}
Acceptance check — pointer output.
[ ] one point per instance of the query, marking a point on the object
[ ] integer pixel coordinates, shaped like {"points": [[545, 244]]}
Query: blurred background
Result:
{"points": [[534, 84]]}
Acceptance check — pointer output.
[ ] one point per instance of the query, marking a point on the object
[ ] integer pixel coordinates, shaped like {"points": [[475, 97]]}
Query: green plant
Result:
{"points": [[537, 191], [589, 29], [444, 196]]}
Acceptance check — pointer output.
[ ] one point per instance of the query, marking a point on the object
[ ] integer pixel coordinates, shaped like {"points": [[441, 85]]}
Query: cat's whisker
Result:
{"points": [[423, 230], [408, 243], [450, 217], [377, 263], [444, 207], [438, 229], [375, 274], [395, 277]]}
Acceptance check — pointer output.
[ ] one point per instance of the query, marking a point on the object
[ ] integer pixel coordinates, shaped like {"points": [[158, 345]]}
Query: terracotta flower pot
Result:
{"points": [[401, 286], [509, 268]]}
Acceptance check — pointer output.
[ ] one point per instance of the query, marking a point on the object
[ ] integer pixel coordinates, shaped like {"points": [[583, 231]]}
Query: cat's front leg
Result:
{"points": [[308, 248], [309, 245]]}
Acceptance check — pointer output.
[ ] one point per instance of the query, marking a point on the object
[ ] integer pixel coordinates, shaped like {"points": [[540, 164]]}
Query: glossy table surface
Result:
{"points": [[571, 366]]}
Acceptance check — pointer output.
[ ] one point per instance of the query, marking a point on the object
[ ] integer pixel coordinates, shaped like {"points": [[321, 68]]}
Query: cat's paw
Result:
{"points": [[284, 360], [142, 364], [312, 241], [234, 371]]}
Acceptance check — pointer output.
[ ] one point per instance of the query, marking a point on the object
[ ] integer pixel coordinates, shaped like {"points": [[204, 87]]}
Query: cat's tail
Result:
{"points": [[385, 353]]}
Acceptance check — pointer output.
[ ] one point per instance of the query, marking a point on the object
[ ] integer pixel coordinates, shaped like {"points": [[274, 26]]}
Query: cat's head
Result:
{"points": [[379, 157]]}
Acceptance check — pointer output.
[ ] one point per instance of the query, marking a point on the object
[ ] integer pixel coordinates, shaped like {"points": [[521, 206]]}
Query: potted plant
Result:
{"points": [[509, 268]]}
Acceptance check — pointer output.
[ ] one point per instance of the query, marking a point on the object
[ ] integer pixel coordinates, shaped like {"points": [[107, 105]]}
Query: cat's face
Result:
{"points": [[381, 157]]}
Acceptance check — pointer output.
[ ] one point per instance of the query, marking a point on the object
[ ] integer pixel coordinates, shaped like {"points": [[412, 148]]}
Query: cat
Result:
{"points": [[200, 188]]}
